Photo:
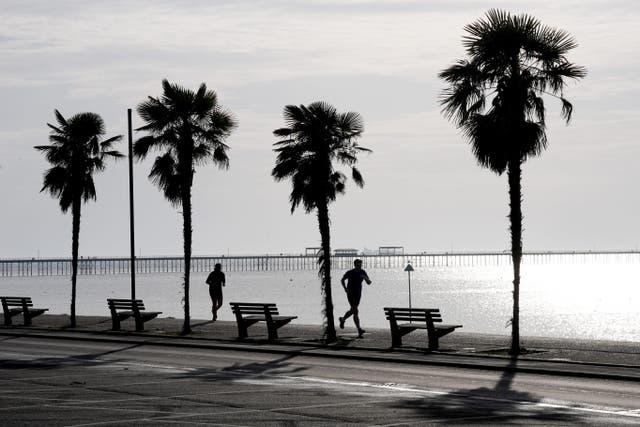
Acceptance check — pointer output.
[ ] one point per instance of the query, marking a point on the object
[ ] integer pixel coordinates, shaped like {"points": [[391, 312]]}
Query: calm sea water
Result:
{"points": [[574, 300]]}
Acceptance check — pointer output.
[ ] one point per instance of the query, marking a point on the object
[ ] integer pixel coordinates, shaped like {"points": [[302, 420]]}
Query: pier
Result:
{"points": [[283, 262]]}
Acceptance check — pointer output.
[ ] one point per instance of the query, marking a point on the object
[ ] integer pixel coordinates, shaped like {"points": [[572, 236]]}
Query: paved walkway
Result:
{"points": [[588, 357]]}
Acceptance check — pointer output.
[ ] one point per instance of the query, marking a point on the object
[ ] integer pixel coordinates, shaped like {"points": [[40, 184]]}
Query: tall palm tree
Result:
{"points": [[76, 152], [496, 97], [316, 136], [189, 128]]}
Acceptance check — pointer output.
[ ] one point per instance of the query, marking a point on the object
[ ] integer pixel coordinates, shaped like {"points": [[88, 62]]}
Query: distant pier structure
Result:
{"points": [[397, 259]]}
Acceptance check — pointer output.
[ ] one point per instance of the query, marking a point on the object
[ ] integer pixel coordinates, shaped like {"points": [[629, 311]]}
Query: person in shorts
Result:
{"points": [[216, 281], [353, 288]]}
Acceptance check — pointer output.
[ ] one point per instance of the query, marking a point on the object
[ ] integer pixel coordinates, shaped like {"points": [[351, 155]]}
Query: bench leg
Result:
{"points": [[8, 318], [139, 324], [396, 339], [115, 323], [27, 319], [272, 329], [433, 341], [35, 313], [242, 330]]}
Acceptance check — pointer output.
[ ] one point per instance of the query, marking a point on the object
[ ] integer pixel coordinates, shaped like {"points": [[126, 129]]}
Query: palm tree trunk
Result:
{"points": [[325, 270], [187, 234], [515, 217], [75, 243]]}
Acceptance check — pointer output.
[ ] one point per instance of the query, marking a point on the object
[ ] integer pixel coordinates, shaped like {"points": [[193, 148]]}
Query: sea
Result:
{"points": [[566, 299]]}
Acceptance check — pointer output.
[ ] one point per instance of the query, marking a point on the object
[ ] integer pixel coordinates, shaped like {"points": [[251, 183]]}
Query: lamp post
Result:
{"points": [[131, 222]]}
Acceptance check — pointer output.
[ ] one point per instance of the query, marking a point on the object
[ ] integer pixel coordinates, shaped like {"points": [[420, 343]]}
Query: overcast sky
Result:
{"points": [[423, 191]]}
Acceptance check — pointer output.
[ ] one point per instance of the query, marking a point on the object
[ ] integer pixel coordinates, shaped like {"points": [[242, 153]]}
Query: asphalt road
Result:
{"points": [[80, 383]]}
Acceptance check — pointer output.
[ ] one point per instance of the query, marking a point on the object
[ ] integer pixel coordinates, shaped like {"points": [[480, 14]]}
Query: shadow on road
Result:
{"points": [[271, 367], [206, 322], [498, 405], [91, 359], [251, 370]]}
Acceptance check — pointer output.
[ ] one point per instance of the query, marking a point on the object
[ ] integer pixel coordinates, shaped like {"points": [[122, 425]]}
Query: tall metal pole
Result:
{"points": [[409, 269], [131, 223], [409, 289]]}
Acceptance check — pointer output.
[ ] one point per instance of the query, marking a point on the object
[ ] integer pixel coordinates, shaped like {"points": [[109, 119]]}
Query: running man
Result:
{"points": [[353, 288], [216, 281]]}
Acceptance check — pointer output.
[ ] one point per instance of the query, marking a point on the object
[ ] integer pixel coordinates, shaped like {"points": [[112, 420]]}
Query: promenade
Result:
{"points": [[588, 358]]}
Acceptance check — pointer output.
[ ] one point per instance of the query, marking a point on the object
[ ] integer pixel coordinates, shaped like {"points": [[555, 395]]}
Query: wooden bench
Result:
{"points": [[122, 309], [248, 313], [12, 306], [417, 318]]}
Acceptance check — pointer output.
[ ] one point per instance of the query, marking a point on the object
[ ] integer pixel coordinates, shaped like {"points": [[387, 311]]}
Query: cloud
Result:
{"points": [[377, 57]]}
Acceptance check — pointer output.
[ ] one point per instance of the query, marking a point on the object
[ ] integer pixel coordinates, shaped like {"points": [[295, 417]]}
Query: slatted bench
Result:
{"points": [[122, 309], [417, 318], [12, 306], [248, 313]]}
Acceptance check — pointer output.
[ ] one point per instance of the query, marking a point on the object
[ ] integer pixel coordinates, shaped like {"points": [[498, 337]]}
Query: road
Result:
{"points": [[82, 383]]}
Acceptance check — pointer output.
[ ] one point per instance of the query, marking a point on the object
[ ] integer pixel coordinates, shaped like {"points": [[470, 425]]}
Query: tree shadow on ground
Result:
{"points": [[340, 341], [491, 406], [272, 367], [90, 359], [250, 370], [206, 322]]}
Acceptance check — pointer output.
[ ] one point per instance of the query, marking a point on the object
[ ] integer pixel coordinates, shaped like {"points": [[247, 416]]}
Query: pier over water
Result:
{"points": [[145, 265]]}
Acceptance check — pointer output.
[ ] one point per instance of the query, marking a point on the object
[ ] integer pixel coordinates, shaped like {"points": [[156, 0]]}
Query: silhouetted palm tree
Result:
{"points": [[316, 136], [496, 97], [77, 150], [189, 128]]}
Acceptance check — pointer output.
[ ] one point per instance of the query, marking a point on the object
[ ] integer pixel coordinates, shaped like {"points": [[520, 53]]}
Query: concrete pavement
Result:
{"points": [[586, 358]]}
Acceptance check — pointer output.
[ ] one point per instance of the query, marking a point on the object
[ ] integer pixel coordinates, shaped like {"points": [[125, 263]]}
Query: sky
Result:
{"points": [[423, 188]]}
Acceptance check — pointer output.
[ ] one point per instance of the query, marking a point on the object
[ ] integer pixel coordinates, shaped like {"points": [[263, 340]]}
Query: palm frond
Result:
{"points": [[97, 163], [56, 129], [164, 173], [533, 140], [113, 153], [466, 92], [220, 157], [143, 146], [350, 124], [284, 133], [357, 177], [55, 180], [221, 122], [537, 107], [60, 119], [567, 109], [108, 143], [89, 190]]}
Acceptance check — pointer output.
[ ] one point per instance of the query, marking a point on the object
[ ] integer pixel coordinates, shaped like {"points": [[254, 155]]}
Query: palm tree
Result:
{"points": [[496, 97], [77, 150], [189, 128], [316, 136]]}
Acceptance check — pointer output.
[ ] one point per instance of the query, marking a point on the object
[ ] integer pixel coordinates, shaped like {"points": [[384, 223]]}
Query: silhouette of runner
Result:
{"points": [[216, 281], [353, 288]]}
